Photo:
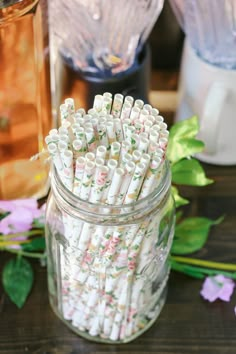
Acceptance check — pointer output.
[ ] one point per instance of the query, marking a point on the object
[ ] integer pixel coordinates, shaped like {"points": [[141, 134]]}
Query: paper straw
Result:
{"points": [[67, 159], [138, 127], [102, 135], [143, 115], [129, 131], [143, 144], [164, 134], [159, 119], [48, 139], [53, 151], [106, 105], [117, 105], [153, 136], [138, 103], [77, 148], [118, 129], [145, 158], [99, 182], [52, 132], [89, 156], [97, 104], [129, 99], [64, 113], [136, 183], [154, 112], [125, 112], [129, 171], [147, 126], [134, 140], [101, 151], [163, 126], [90, 139], [70, 104], [163, 143], [151, 118], [87, 180], [93, 112], [115, 185], [107, 95], [79, 172], [125, 158], [62, 130], [112, 165], [150, 178], [136, 155], [111, 132], [115, 150], [147, 107], [125, 147], [134, 114]]}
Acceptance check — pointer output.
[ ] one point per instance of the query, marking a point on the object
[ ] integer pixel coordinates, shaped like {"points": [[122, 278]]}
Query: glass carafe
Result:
{"points": [[24, 97]]}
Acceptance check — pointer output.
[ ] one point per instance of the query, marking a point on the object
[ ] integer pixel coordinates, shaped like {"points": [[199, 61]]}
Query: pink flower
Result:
{"points": [[101, 178], [22, 214], [131, 265], [217, 287]]}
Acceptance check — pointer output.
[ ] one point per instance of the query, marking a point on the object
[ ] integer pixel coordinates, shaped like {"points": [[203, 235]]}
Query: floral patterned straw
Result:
{"points": [[97, 104], [117, 105], [115, 185], [87, 180], [79, 172], [99, 182], [136, 183], [67, 158], [53, 151], [151, 175]]}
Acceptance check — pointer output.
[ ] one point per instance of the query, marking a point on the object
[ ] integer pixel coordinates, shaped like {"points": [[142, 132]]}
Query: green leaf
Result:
{"points": [[179, 201], [189, 172], [191, 234], [17, 278], [182, 141], [36, 244]]}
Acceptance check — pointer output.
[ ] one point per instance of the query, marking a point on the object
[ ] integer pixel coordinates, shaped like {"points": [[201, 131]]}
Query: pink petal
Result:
{"points": [[218, 287], [11, 205]]}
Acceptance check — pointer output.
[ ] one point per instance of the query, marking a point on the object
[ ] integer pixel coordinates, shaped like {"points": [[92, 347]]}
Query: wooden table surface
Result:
{"points": [[187, 323]]}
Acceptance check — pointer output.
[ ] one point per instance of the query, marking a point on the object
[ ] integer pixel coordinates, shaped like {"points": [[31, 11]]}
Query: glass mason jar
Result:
{"points": [[108, 265], [25, 109]]}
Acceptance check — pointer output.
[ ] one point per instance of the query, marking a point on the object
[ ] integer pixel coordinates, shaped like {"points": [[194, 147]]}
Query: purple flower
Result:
{"points": [[22, 214], [217, 287]]}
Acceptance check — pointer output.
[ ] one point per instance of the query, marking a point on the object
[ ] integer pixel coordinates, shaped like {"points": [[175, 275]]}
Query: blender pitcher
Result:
{"points": [[208, 74]]}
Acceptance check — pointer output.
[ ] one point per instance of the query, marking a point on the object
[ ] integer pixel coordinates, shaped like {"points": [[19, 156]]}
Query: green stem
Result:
{"points": [[203, 263], [26, 234], [27, 254]]}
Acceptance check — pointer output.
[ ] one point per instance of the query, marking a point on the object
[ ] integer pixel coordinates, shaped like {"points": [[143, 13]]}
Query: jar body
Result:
{"points": [[107, 273], [25, 110]]}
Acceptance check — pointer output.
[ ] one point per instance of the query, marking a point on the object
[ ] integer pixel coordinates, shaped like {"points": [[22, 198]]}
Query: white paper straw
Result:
{"points": [[87, 180], [136, 183], [79, 172], [115, 185]]}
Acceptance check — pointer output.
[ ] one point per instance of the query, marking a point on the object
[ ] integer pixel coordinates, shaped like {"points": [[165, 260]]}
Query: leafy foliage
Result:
{"points": [[17, 279]]}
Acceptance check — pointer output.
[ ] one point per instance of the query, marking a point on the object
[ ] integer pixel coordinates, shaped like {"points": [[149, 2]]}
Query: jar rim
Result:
{"points": [[75, 203]]}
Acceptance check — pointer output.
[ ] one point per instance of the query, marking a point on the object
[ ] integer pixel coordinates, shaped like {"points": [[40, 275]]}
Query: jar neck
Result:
{"points": [[110, 214]]}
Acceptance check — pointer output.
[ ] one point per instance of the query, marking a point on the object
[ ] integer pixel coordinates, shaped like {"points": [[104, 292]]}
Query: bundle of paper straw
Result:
{"points": [[113, 155]]}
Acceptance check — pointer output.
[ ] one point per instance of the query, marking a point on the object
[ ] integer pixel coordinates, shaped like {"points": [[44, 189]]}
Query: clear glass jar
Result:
{"points": [[108, 265]]}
